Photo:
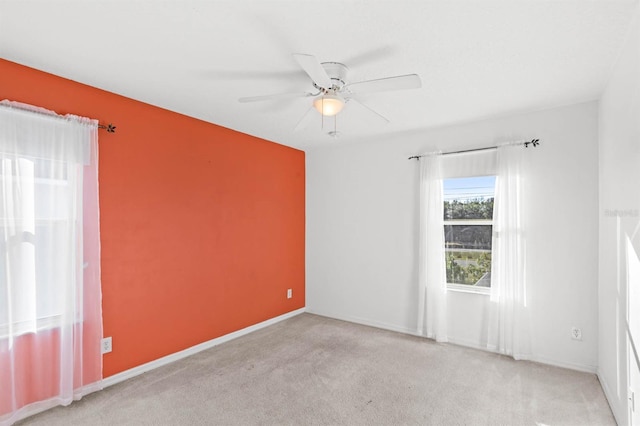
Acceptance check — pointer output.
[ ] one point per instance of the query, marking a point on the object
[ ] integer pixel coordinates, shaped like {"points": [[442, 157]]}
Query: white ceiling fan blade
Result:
{"points": [[399, 82], [370, 55], [312, 67], [274, 96], [355, 104], [306, 119]]}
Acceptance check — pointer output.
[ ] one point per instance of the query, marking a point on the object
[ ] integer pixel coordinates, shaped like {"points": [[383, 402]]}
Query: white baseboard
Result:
{"points": [[541, 360], [474, 345], [609, 395], [136, 371], [366, 322], [569, 365], [469, 344]]}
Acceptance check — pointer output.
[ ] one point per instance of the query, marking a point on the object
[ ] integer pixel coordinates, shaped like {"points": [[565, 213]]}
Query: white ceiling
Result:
{"points": [[476, 58]]}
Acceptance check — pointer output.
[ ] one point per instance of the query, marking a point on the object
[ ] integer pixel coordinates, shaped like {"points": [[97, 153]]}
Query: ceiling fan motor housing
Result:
{"points": [[337, 72]]}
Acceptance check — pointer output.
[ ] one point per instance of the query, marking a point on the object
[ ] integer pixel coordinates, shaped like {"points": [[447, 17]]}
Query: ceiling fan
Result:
{"points": [[334, 91]]}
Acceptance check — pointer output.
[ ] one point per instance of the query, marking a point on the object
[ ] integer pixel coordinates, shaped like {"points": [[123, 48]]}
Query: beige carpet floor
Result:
{"points": [[311, 370]]}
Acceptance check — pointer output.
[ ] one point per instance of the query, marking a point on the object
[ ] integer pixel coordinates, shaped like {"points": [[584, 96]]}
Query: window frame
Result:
{"points": [[467, 288]]}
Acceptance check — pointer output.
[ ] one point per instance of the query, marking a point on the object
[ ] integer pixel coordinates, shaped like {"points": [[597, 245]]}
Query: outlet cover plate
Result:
{"points": [[576, 333], [107, 345]]}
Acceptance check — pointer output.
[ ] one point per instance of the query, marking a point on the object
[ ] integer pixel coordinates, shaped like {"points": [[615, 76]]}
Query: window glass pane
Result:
{"points": [[468, 254], [468, 237], [469, 198]]}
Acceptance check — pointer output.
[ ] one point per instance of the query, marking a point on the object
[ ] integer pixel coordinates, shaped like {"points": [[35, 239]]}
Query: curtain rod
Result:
{"points": [[533, 142], [110, 128]]}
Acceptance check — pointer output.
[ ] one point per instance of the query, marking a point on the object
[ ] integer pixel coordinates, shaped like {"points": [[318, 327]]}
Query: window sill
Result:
{"points": [[462, 288], [26, 327]]}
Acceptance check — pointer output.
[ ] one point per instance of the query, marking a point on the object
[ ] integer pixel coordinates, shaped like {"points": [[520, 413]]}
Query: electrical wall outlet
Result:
{"points": [[576, 333], [106, 345], [289, 293]]}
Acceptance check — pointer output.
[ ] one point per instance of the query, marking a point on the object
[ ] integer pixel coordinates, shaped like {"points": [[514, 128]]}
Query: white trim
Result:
{"points": [[466, 343], [136, 371], [362, 321], [470, 344], [541, 360], [469, 288], [609, 396], [468, 222], [18, 328], [593, 369], [38, 407]]}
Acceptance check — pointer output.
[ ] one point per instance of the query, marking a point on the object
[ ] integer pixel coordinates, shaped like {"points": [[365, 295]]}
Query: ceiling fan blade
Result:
{"points": [[370, 55], [353, 103], [306, 119], [399, 82], [274, 96], [312, 67]]}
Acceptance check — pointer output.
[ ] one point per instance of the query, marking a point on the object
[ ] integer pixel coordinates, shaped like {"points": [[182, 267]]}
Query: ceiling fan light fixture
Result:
{"points": [[329, 105]]}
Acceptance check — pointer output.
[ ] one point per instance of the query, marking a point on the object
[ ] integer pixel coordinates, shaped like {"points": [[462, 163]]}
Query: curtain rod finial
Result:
{"points": [[110, 128]]}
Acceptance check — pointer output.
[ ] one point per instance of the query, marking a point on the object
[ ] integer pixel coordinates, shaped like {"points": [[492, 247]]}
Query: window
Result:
{"points": [[468, 229], [34, 243]]}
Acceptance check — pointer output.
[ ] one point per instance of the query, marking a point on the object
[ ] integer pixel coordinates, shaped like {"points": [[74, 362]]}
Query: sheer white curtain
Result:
{"points": [[432, 297], [510, 321], [50, 304]]}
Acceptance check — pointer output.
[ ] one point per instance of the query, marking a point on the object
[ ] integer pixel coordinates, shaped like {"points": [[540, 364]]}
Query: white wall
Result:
{"points": [[362, 230], [619, 220]]}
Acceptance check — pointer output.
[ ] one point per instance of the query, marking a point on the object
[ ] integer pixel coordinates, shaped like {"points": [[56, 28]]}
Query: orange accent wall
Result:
{"points": [[202, 227]]}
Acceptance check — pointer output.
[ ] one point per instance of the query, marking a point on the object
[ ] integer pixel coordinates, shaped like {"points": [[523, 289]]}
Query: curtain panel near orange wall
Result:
{"points": [[50, 304]]}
